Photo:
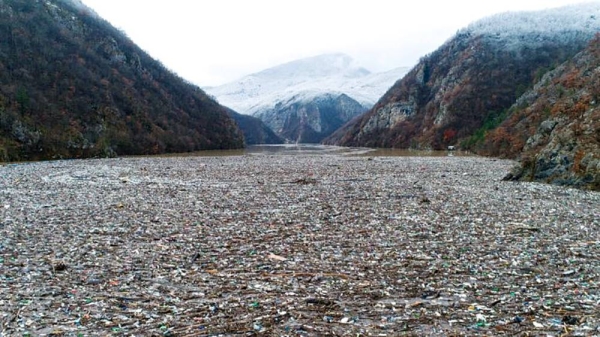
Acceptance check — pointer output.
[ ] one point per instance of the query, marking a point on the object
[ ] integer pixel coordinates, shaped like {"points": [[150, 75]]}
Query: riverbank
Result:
{"points": [[294, 245]]}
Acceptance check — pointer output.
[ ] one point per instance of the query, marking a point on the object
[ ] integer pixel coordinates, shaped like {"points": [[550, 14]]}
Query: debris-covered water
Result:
{"points": [[309, 244]]}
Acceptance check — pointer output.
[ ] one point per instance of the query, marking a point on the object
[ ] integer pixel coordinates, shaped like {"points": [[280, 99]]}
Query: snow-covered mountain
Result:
{"points": [[513, 29], [308, 99], [306, 79], [304, 120]]}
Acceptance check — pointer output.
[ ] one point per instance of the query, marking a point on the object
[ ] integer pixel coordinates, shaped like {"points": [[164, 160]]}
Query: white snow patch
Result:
{"points": [[303, 80], [515, 30]]}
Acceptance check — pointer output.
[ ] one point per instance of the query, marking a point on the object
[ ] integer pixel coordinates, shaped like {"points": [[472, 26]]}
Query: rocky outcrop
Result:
{"points": [[310, 119], [387, 116], [559, 124]]}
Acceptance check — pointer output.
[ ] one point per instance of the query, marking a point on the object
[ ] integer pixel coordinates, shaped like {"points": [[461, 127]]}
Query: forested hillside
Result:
{"points": [[501, 87], [71, 86], [465, 88], [555, 128]]}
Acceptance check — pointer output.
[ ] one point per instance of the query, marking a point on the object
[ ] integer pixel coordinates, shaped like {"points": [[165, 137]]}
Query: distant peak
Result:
{"points": [[305, 79], [316, 66], [342, 58]]}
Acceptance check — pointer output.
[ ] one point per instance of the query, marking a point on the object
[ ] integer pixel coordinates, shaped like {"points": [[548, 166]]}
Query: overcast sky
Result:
{"points": [[213, 42]]}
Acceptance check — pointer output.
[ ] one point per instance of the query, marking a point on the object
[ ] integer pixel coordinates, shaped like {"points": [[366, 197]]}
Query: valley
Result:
{"points": [[314, 197], [515, 85]]}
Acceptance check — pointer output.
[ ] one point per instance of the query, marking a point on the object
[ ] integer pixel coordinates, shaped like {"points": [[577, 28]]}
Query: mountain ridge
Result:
{"points": [[306, 100], [327, 73]]}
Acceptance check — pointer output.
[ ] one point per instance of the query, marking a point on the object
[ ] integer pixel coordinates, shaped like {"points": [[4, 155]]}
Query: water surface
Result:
{"points": [[318, 149]]}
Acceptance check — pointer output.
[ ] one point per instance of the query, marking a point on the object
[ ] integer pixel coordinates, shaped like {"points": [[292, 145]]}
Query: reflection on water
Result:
{"points": [[318, 149]]}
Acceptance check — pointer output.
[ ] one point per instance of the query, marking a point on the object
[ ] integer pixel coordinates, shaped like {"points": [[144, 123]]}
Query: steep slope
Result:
{"points": [[310, 120], [556, 126], [466, 86], [254, 130], [71, 85]]}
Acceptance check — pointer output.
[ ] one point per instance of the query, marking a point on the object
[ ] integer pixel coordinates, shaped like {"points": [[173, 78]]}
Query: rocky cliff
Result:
{"points": [[310, 119], [465, 88], [71, 85], [555, 128]]}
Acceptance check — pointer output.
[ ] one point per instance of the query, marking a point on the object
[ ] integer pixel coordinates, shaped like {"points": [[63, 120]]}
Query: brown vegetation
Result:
{"points": [[560, 125], [71, 85], [467, 86]]}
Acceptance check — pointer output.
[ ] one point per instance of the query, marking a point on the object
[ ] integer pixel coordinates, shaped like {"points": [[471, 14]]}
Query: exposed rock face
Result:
{"points": [[254, 130], [310, 120], [559, 123], [467, 84], [389, 115], [72, 86]]}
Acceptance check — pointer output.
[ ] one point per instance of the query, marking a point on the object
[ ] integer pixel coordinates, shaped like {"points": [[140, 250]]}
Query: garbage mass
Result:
{"points": [[302, 245]]}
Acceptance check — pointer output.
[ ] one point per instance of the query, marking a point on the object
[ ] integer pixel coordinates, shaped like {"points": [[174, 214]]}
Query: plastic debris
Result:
{"points": [[570, 320], [209, 246]]}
